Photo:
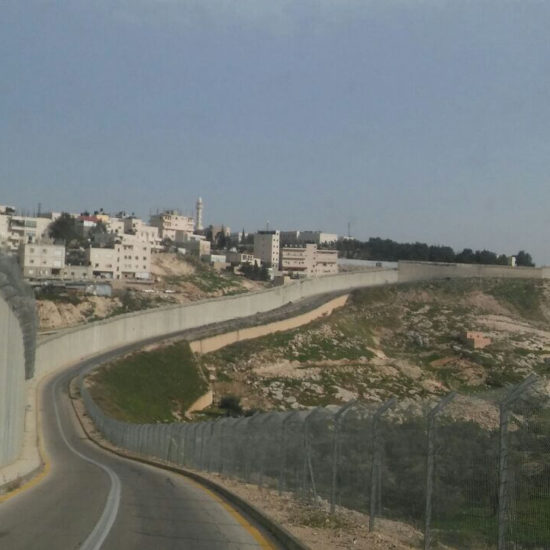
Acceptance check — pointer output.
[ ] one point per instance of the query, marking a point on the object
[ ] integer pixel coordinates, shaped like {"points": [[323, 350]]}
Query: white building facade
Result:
{"points": [[308, 260], [41, 261], [170, 221], [267, 246]]}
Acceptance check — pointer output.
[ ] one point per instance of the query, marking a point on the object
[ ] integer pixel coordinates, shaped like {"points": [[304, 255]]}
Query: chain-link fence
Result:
{"points": [[469, 472]]}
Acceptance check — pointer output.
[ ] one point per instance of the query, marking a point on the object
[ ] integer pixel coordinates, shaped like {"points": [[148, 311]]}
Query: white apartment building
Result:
{"points": [[308, 260], [298, 259], [170, 221], [133, 259], [102, 262], [115, 226], [148, 234], [326, 261], [39, 261], [267, 247], [128, 259], [18, 230]]}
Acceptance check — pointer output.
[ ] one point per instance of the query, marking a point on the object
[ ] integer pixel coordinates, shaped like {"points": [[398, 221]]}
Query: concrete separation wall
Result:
{"points": [[17, 345], [73, 345], [425, 271], [212, 343]]}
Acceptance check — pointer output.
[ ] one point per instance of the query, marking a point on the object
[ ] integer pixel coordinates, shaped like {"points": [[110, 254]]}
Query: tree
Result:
{"points": [[467, 256], [65, 229], [231, 404], [524, 258], [264, 273]]}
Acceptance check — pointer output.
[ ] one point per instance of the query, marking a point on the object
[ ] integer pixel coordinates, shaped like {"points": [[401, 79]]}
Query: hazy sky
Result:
{"points": [[411, 119]]}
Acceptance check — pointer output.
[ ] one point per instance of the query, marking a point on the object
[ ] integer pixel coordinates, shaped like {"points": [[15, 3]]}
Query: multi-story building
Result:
{"points": [[133, 259], [102, 262], [130, 258], [148, 234], [298, 259], [302, 237], [170, 221], [40, 261], [326, 261], [16, 230], [115, 225], [267, 247], [308, 260]]}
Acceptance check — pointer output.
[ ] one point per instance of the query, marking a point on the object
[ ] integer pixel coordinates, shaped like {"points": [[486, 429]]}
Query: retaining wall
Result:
{"points": [[424, 271], [73, 345], [212, 343]]}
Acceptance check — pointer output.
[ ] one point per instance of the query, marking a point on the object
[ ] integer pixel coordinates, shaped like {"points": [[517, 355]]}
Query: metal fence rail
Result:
{"points": [[466, 483]]}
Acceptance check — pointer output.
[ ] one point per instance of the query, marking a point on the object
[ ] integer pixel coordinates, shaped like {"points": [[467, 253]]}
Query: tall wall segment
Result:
{"points": [[424, 271], [17, 352], [72, 345]]}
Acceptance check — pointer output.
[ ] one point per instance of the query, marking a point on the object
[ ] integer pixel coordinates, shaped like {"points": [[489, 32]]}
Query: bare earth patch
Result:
{"points": [[314, 526]]}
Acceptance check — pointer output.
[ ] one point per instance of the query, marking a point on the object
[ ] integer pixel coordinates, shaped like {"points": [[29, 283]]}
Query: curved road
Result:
{"points": [[92, 499]]}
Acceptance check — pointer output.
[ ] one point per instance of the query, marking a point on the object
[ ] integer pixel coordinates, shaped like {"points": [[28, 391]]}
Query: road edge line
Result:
{"points": [[279, 533]]}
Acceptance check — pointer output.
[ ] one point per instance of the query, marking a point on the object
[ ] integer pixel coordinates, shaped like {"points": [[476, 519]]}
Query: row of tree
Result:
{"points": [[388, 250]]}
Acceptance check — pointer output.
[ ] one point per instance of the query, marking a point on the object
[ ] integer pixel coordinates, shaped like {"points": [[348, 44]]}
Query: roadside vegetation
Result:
{"points": [[149, 386], [406, 341]]}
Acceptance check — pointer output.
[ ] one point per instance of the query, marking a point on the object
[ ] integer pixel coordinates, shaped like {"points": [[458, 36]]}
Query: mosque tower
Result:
{"points": [[198, 224]]}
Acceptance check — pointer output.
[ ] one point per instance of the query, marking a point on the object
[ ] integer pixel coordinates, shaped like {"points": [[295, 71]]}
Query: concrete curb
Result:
{"points": [[279, 533], [16, 483]]}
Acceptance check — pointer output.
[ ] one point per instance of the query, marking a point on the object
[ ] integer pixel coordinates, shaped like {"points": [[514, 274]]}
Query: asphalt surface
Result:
{"points": [[92, 499]]}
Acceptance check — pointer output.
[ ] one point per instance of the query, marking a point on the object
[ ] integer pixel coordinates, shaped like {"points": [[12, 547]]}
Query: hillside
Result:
{"points": [[405, 341], [176, 280]]}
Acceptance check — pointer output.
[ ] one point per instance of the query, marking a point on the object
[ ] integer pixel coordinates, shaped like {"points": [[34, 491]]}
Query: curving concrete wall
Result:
{"points": [[17, 348], [73, 345]]}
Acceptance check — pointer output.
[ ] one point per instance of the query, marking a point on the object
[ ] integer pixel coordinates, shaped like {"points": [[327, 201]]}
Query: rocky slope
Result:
{"points": [[406, 341]]}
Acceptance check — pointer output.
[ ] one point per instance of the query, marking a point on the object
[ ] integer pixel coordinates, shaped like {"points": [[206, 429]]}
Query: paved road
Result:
{"points": [[91, 499]]}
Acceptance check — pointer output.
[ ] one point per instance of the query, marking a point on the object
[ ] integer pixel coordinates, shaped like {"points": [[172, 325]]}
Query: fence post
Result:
{"points": [[503, 481], [262, 447], [376, 470], [307, 466], [338, 417], [430, 465], [283, 451]]}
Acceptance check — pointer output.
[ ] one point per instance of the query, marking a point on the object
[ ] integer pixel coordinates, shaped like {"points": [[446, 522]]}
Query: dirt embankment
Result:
{"points": [[175, 280]]}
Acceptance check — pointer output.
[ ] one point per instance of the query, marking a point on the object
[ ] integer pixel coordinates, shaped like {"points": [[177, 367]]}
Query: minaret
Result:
{"points": [[198, 222]]}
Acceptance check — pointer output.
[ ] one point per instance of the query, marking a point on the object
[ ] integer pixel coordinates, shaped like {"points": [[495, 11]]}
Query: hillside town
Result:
{"points": [[98, 246]]}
